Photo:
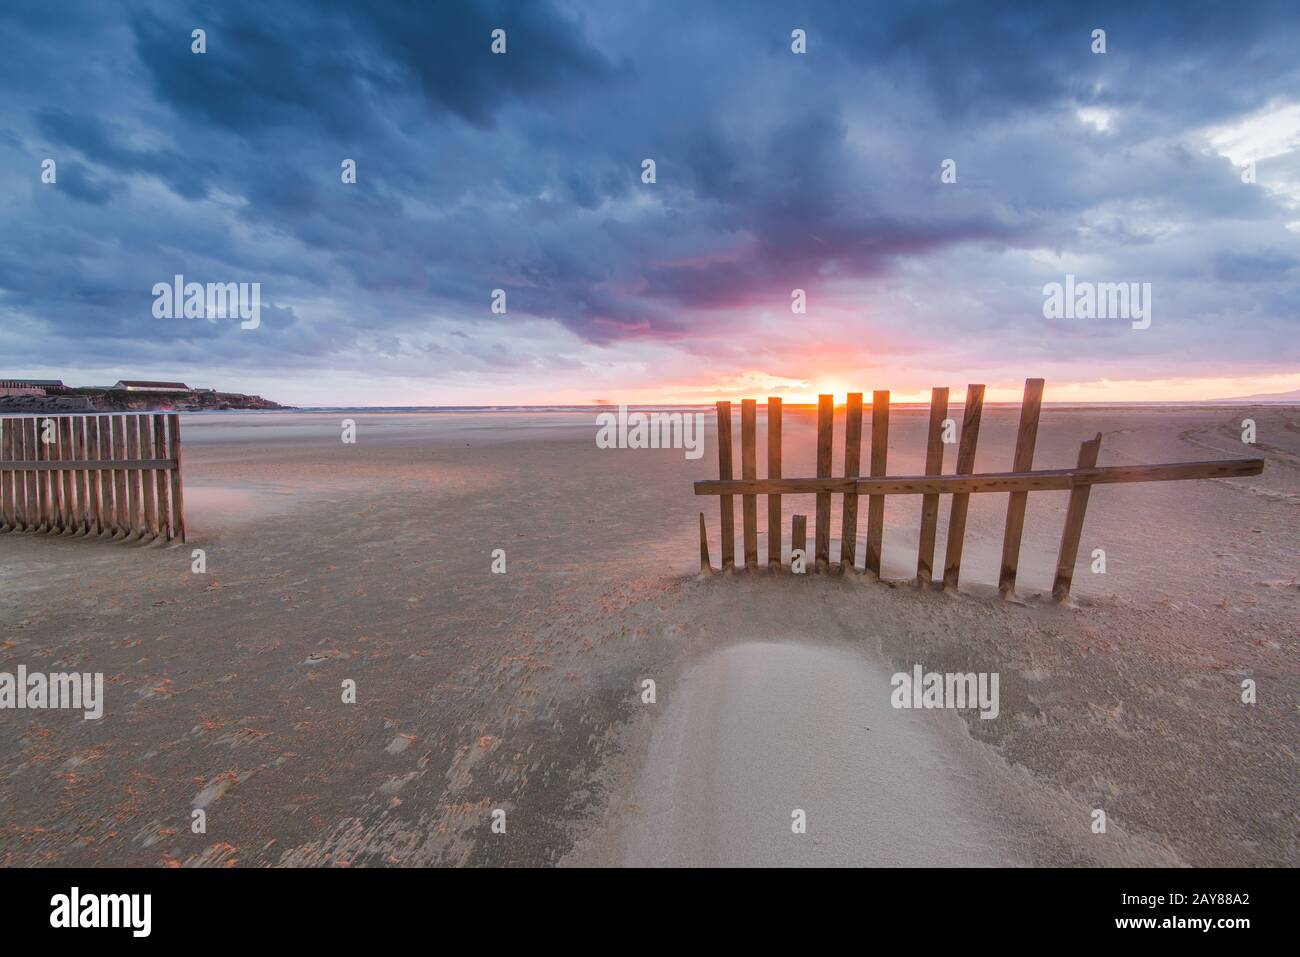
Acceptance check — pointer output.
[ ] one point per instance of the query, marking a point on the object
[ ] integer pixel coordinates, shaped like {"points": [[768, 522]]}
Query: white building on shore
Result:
{"points": [[141, 385]]}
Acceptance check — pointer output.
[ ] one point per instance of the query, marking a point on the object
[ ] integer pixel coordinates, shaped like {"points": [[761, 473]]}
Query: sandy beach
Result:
{"points": [[523, 691]]}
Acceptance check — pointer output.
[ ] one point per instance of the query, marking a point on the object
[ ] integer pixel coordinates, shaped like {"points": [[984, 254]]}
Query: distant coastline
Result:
{"points": [[120, 400], [88, 400], [668, 406]]}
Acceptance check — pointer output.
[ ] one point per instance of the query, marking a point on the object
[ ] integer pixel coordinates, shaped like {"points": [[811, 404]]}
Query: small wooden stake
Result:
{"points": [[749, 470], [930, 503], [725, 502], [1073, 530], [852, 468], [825, 435], [774, 471], [970, 433], [705, 564], [1022, 462], [879, 454], [799, 538]]}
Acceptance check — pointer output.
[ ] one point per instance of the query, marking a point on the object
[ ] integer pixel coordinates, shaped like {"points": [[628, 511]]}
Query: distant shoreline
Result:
{"points": [[59, 405], [921, 406]]}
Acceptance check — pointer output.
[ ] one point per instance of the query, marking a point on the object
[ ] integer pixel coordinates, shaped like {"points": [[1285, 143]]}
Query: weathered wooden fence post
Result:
{"points": [[95, 476], [930, 501], [108, 478], [132, 423], [1023, 461], [49, 479], [65, 455], [749, 472], [6, 478], [724, 472], [178, 491], [774, 472], [825, 436], [79, 452], [1073, 529], [879, 454], [56, 478], [970, 433], [852, 468], [123, 523], [35, 480], [147, 484], [160, 451]]}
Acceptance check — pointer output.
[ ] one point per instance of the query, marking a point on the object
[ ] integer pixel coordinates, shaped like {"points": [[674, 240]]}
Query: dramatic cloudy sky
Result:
{"points": [[775, 171]]}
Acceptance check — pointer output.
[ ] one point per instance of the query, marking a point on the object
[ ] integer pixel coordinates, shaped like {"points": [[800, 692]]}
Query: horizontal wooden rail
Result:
{"points": [[96, 465], [1043, 480]]}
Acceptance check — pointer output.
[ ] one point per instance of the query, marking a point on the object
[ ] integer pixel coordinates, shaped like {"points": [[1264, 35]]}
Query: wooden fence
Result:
{"points": [[1017, 483], [114, 475]]}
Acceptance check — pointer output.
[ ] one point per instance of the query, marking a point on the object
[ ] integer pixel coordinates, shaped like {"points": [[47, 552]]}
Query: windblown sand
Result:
{"points": [[523, 691]]}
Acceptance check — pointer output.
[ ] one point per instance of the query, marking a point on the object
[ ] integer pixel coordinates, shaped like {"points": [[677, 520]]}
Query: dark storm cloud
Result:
{"points": [[279, 64], [522, 171], [103, 145]]}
